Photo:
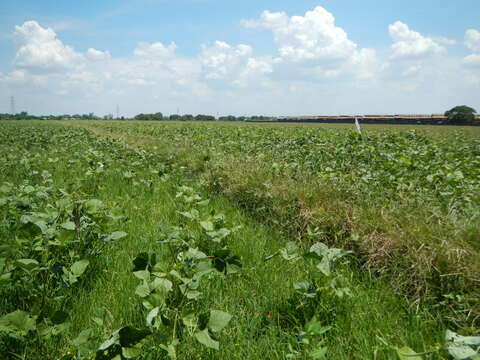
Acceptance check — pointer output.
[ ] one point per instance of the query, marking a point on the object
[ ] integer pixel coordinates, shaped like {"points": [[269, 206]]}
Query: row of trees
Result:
{"points": [[160, 117], [200, 117], [459, 114], [26, 116], [145, 117]]}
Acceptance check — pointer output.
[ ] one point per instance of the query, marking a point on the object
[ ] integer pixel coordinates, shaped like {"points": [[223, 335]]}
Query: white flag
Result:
{"points": [[357, 126]]}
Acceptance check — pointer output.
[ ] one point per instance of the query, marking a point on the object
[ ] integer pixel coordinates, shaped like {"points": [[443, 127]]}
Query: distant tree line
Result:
{"points": [[200, 117], [144, 117], [26, 116]]}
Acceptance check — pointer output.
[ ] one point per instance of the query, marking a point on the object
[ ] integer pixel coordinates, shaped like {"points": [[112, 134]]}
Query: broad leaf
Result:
{"points": [[68, 225], [142, 290], [115, 236], [204, 338], [207, 225], [218, 320], [83, 338], [130, 336], [92, 206], [17, 323], [406, 353], [318, 353], [79, 267], [152, 315], [27, 264]]}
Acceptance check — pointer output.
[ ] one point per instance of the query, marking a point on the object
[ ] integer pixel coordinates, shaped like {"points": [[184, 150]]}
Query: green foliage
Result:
{"points": [[411, 193], [68, 292], [461, 114], [150, 117]]}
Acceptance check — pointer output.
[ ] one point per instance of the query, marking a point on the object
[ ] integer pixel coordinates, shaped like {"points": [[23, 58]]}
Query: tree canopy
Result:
{"points": [[461, 114]]}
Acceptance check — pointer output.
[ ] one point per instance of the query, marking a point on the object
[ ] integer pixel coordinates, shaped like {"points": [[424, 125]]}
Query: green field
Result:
{"points": [[182, 240]]}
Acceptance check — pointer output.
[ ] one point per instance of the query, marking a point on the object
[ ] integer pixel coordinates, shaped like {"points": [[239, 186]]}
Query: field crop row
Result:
{"points": [[406, 201], [224, 242]]}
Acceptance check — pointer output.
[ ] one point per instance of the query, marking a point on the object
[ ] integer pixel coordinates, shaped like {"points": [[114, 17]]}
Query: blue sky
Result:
{"points": [[232, 57]]}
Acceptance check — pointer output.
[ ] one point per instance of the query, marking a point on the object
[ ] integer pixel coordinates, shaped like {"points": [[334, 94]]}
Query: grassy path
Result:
{"points": [[267, 316]]}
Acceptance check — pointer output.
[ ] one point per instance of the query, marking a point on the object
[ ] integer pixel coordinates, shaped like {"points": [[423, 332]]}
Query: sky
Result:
{"points": [[297, 57]]}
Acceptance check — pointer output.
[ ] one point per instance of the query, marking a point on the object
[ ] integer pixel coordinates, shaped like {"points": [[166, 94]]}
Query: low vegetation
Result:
{"points": [[181, 240]]}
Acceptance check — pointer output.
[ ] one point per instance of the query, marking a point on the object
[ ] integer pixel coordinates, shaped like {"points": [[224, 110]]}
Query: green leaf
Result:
{"points": [[190, 320], [27, 264], [17, 323], [83, 338], [5, 278], [59, 317], [109, 342], [207, 225], [79, 267], [314, 327], [116, 235], [203, 337], [130, 336], [301, 285], [68, 225], [290, 252], [459, 347], [324, 266], [195, 254], [451, 336], [143, 260], [152, 315], [460, 351], [142, 275], [131, 352], [318, 353], [193, 214], [218, 320], [319, 249], [142, 290], [92, 206], [406, 353], [162, 285], [140, 262], [171, 349]]}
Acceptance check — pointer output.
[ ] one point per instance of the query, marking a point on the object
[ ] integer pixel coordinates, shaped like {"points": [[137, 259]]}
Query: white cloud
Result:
{"points": [[443, 40], [317, 69], [315, 47], [311, 37], [41, 49], [234, 64], [411, 44], [472, 40], [97, 55], [156, 50], [472, 60]]}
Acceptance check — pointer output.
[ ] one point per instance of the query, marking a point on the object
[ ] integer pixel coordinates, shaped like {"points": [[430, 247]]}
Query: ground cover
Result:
{"points": [[141, 253], [405, 199]]}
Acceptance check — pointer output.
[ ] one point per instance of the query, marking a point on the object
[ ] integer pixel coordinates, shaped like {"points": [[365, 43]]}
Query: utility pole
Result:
{"points": [[12, 105]]}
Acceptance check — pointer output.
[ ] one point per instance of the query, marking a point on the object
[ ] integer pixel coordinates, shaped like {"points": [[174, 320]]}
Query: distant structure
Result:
{"points": [[12, 105], [118, 112], [431, 119]]}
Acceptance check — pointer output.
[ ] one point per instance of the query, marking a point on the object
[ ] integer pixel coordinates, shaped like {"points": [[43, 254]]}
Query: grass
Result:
{"points": [[267, 314], [421, 232]]}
